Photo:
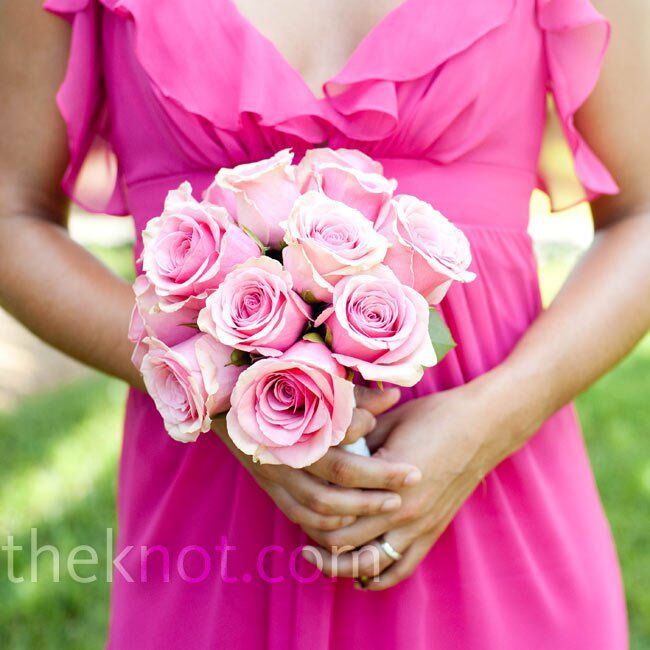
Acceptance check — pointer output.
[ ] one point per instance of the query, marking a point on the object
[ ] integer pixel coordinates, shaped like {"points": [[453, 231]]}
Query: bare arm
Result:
{"points": [[50, 283], [604, 307]]}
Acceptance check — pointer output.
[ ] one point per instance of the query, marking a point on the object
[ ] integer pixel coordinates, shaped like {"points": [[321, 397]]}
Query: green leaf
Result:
{"points": [[314, 337], [239, 358], [350, 374], [439, 334], [380, 385]]}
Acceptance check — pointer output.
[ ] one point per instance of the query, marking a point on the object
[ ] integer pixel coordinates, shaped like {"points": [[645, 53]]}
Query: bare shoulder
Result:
{"points": [[34, 49], [614, 119]]}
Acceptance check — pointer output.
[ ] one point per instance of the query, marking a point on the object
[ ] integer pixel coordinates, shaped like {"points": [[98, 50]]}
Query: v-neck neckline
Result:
{"points": [[324, 95]]}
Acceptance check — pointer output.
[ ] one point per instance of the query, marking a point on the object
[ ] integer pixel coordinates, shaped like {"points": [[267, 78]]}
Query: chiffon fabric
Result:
{"points": [[450, 95]]}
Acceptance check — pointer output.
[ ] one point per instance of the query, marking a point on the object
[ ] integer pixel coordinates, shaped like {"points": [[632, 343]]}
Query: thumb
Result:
{"points": [[374, 400]]}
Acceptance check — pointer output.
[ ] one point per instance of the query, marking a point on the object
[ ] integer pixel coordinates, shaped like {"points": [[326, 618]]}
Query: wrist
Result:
{"points": [[511, 409]]}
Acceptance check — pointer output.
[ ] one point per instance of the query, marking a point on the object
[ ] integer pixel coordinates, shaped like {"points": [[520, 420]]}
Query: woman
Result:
{"points": [[480, 501]]}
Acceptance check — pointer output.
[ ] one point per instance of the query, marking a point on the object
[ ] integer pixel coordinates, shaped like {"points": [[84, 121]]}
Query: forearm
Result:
{"points": [[65, 295], [599, 315]]}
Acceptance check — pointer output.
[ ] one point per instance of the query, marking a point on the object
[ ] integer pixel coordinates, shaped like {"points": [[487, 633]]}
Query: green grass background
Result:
{"points": [[58, 457]]}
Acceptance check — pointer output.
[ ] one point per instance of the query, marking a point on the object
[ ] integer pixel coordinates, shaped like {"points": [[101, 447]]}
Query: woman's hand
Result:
{"points": [[328, 494], [455, 438]]}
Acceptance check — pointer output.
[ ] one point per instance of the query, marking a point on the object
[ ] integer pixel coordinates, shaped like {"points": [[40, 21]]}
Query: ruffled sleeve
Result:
{"points": [[576, 37], [92, 178]]}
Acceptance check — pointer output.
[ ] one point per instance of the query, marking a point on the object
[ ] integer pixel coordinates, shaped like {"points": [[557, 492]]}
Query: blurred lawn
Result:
{"points": [[59, 453]]}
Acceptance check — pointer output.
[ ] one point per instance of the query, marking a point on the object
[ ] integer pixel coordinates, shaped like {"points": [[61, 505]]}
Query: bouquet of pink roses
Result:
{"points": [[269, 295]]}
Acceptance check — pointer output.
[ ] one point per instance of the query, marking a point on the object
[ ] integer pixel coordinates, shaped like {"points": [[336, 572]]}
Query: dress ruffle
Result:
{"points": [[192, 65], [207, 60], [81, 102], [200, 75], [366, 90], [576, 38], [361, 101]]}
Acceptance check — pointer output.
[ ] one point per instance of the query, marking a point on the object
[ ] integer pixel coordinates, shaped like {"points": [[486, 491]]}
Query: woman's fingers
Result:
{"points": [[363, 422], [361, 532], [333, 500], [374, 400], [370, 402], [368, 561], [302, 515], [350, 470], [400, 569]]}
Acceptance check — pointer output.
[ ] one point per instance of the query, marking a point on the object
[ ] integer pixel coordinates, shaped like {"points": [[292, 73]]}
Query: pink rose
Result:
{"points": [[308, 168], [190, 248], [264, 193], [428, 252], [348, 176], [291, 409], [380, 328], [217, 195], [255, 309], [189, 383], [326, 241], [148, 320]]}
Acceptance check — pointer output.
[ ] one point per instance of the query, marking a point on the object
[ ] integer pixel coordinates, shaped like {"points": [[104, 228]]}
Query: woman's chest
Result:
{"points": [[315, 37]]}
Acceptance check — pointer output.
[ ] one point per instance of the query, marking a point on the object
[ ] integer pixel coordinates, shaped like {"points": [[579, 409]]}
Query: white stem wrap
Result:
{"points": [[360, 447]]}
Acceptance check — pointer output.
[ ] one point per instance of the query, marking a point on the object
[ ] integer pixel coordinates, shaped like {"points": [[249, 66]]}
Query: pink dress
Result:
{"points": [[450, 96]]}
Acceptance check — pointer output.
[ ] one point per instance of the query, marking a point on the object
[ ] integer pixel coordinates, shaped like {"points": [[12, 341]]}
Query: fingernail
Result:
{"points": [[413, 477], [390, 504], [347, 520]]}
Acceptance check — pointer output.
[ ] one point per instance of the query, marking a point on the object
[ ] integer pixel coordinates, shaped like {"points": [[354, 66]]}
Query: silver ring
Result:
{"points": [[389, 550]]}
